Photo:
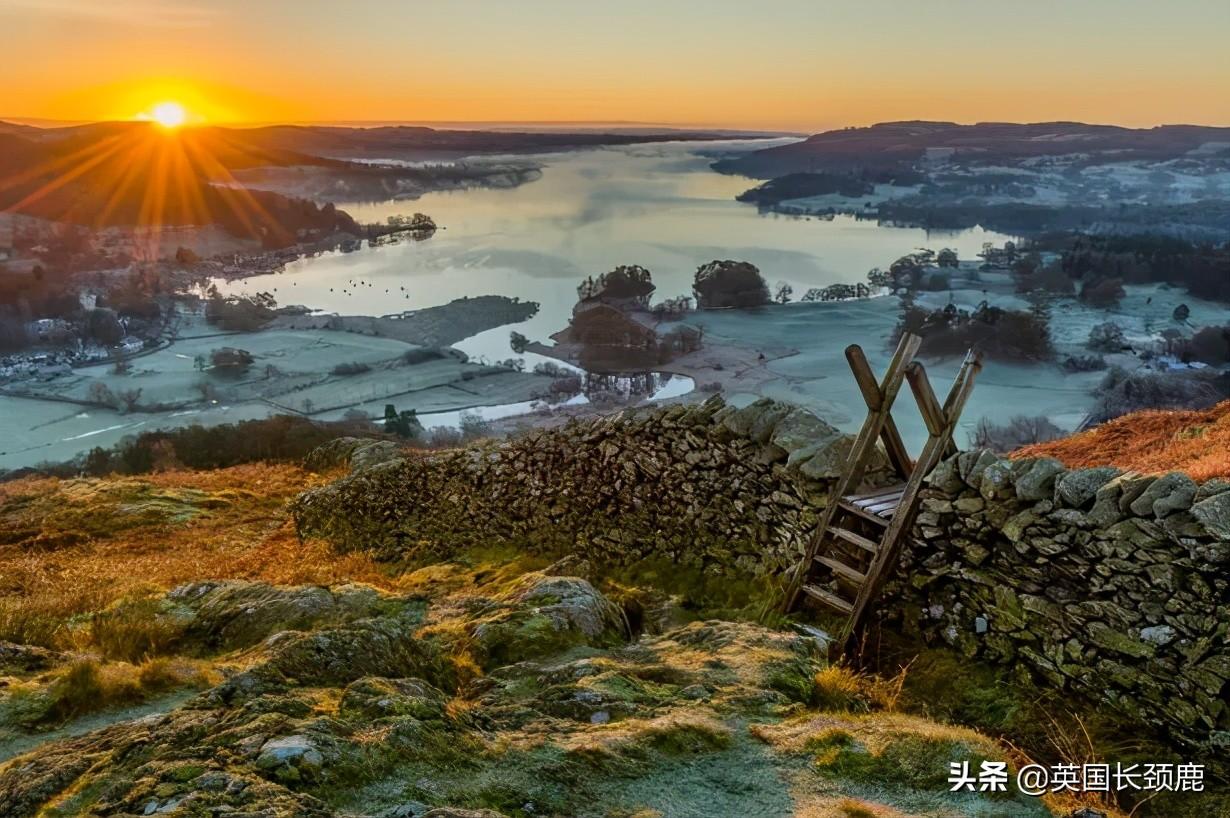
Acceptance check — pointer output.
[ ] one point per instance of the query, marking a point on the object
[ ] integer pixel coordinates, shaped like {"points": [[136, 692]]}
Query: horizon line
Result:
{"points": [[48, 123]]}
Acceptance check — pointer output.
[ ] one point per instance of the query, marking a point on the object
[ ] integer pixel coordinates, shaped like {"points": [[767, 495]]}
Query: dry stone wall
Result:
{"points": [[1112, 585], [709, 486], [1107, 584]]}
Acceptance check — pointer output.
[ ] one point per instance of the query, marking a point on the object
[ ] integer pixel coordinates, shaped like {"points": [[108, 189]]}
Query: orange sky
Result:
{"points": [[790, 64]]}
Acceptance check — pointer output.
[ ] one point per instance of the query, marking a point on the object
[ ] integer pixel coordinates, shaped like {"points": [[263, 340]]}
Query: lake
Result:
{"points": [[658, 205]]}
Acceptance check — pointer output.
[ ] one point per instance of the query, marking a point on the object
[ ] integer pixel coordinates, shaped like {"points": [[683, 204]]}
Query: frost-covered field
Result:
{"points": [[819, 378], [292, 371]]}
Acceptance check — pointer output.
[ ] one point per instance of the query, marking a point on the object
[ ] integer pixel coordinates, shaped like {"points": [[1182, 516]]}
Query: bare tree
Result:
{"points": [[128, 399], [101, 394]]}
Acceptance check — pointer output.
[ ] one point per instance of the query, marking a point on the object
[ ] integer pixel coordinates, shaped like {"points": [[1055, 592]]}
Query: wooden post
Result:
{"points": [[893, 445], [879, 409]]}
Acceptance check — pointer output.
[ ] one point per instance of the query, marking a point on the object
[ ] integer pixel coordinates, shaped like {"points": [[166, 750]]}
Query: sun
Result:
{"points": [[169, 114]]}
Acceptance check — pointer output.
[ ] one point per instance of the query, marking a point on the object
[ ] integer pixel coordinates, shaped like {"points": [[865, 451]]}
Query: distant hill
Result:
{"points": [[120, 173], [134, 173], [407, 141], [10, 128], [904, 143]]}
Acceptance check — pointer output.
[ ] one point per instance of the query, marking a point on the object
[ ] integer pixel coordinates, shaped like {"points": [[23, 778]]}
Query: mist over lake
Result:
{"points": [[659, 206]]}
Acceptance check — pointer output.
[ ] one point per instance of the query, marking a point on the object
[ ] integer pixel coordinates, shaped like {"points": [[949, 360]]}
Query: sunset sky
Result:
{"points": [[790, 64]]}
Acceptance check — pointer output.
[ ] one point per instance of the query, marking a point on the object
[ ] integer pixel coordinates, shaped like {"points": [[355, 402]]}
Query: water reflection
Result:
{"points": [[659, 206]]}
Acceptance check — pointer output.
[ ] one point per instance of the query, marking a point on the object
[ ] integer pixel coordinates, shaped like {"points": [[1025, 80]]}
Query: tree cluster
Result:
{"points": [[721, 284]]}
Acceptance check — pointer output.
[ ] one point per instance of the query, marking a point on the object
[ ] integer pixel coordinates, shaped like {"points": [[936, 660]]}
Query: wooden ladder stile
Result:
{"points": [[890, 511], [879, 400], [939, 444]]}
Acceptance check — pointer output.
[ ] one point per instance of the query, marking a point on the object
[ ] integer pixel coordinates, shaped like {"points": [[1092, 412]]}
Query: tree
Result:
{"points": [[878, 278], [97, 462], [784, 291], [403, 424], [207, 390], [1105, 292], [518, 342], [101, 394], [128, 399], [628, 283], [906, 272], [229, 360], [104, 327], [240, 313], [728, 283], [1107, 337], [947, 257]]}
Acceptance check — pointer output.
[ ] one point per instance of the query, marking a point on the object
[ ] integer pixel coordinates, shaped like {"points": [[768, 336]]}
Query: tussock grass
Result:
{"points": [[70, 548], [135, 628], [841, 688], [859, 809], [1150, 442], [88, 685], [677, 733], [837, 688]]}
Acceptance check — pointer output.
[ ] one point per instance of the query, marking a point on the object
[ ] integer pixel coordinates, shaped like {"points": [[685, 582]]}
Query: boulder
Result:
{"points": [[236, 614], [946, 476], [375, 697], [996, 481], [546, 615], [385, 646], [766, 422], [352, 452], [829, 458], [801, 435], [1106, 510], [741, 421], [972, 464], [291, 757], [16, 658], [1158, 634]]}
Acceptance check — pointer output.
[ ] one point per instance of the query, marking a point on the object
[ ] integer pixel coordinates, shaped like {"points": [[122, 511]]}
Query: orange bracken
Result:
{"points": [[1196, 442], [70, 547]]}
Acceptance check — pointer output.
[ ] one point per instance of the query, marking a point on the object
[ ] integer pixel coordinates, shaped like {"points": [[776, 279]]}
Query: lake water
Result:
{"points": [[659, 206]]}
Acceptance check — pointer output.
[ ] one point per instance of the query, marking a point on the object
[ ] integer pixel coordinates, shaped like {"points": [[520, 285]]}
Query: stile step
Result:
{"points": [[842, 570], [855, 539], [830, 599], [863, 513], [871, 496]]}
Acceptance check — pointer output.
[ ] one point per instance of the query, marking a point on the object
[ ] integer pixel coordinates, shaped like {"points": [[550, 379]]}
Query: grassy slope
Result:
{"points": [[1193, 441], [70, 547]]}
